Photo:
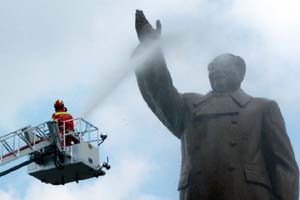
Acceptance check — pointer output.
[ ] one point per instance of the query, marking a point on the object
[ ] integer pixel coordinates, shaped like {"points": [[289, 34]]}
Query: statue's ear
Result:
{"points": [[242, 76], [158, 27]]}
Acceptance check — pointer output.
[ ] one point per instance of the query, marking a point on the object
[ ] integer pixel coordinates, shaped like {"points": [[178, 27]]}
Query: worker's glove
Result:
{"points": [[144, 29]]}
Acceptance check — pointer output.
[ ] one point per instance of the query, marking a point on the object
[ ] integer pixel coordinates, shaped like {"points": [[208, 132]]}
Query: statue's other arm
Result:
{"points": [[280, 156], [154, 79]]}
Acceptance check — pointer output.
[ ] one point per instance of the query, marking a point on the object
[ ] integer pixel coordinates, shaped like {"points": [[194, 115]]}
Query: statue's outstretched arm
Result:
{"points": [[153, 77]]}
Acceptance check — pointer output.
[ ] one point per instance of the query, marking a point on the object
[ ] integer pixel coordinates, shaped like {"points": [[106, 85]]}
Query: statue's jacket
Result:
{"points": [[233, 146]]}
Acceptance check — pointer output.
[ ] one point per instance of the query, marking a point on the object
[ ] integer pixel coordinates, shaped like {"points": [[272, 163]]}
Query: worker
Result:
{"points": [[65, 123]]}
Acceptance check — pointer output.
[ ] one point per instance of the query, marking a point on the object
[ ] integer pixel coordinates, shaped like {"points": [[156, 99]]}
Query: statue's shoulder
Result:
{"points": [[191, 96], [191, 99], [264, 102], [243, 99]]}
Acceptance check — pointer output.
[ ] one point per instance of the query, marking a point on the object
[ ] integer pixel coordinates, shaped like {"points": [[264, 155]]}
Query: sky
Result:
{"points": [[80, 52]]}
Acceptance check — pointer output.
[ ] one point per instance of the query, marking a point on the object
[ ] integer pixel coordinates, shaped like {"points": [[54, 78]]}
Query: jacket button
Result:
{"points": [[197, 147], [231, 167], [233, 143], [234, 122], [234, 119]]}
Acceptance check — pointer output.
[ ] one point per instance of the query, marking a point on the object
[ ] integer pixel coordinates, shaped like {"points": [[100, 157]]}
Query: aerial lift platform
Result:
{"points": [[50, 159]]}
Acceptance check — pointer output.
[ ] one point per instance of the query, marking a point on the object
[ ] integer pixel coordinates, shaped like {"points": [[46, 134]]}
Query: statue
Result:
{"points": [[234, 146]]}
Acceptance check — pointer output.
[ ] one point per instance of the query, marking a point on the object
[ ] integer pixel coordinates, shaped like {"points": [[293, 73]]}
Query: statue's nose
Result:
{"points": [[218, 73]]}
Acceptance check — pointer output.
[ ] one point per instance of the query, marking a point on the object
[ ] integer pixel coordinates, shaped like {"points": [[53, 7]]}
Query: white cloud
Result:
{"points": [[8, 195], [151, 197], [121, 183], [277, 25]]}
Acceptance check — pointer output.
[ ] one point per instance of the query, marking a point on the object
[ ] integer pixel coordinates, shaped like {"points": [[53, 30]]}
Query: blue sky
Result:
{"points": [[79, 51]]}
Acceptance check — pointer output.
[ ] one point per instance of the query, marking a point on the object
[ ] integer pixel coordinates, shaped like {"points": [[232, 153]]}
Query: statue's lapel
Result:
{"points": [[214, 104], [241, 98]]}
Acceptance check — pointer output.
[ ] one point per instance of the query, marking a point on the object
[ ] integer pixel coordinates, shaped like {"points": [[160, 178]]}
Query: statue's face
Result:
{"points": [[224, 75]]}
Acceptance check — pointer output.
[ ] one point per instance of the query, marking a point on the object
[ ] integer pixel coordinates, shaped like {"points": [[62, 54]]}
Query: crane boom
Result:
{"points": [[23, 142]]}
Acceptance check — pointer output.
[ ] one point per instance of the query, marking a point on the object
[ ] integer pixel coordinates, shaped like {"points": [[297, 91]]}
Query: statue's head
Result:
{"points": [[226, 72]]}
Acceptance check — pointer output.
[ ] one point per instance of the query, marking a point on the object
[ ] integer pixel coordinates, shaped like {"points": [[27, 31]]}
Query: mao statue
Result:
{"points": [[234, 146]]}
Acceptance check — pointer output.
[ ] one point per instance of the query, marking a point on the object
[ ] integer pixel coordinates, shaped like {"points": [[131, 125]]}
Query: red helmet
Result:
{"points": [[59, 103]]}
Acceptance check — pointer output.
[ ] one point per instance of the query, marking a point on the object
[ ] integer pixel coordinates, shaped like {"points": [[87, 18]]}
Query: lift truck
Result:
{"points": [[50, 159]]}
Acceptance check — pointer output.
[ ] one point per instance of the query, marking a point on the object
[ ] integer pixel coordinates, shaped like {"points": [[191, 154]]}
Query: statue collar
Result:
{"points": [[239, 97]]}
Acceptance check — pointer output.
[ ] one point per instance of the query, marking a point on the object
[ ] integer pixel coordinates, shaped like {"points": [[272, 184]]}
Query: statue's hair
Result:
{"points": [[235, 60]]}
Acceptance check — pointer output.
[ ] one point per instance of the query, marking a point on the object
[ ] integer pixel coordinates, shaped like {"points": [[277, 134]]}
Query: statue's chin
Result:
{"points": [[219, 85], [222, 87]]}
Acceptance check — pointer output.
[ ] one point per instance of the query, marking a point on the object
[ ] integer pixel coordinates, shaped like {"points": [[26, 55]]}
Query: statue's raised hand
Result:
{"points": [[144, 29]]}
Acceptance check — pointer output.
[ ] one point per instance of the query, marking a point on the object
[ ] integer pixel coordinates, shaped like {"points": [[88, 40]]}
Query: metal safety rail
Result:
{"points": [[29, 139], [83, 130], [23, 142], [57, 141]]}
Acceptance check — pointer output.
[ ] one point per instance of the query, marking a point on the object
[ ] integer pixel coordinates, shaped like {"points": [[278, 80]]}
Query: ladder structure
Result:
{"points": [[51, 159], [28, 140], [23, 142]]}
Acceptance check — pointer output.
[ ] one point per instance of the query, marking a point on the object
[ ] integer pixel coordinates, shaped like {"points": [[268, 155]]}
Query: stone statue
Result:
{"points": [[234, 146]]}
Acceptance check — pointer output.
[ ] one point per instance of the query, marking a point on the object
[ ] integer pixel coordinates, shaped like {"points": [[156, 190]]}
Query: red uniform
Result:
{"points": [[65, 124]]}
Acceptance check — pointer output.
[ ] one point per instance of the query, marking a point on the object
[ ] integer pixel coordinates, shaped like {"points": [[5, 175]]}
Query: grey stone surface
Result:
{"points": [[234, 146]]}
